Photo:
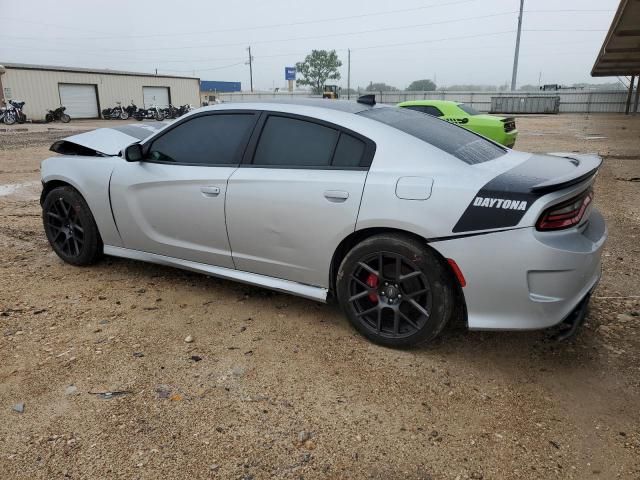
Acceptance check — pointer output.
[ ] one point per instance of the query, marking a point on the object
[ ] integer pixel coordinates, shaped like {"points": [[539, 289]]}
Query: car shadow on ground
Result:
{"points": [[503, 349]]}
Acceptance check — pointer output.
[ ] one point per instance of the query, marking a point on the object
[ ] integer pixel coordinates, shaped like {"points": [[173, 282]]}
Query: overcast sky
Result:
{"points": [[396, 42]]}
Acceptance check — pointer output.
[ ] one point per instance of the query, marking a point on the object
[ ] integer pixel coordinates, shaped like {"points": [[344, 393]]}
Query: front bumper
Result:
{"points": [[523, 279]]}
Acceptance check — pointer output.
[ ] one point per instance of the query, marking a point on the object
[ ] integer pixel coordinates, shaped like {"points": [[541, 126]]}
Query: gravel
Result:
{"points": [[472, 405]]}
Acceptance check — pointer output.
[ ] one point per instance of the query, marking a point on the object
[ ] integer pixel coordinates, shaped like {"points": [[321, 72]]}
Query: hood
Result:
{"points": [[106, 141]]}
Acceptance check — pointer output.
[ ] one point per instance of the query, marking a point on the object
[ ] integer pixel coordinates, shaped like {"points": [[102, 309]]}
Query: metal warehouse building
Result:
{"points": [[85, 92]]}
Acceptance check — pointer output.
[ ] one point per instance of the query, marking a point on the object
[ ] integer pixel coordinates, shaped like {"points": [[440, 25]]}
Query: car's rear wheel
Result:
{"points": [[395, 290], [70, 227]]}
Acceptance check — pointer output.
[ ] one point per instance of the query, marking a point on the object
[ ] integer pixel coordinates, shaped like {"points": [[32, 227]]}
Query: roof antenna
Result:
{"points": [[367, 99]]}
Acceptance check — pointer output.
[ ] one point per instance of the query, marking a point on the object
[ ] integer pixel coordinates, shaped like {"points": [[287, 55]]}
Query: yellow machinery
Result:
{"points": [[331, 91]]}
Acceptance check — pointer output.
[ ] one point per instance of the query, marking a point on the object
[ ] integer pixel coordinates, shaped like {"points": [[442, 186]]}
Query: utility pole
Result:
{"points": [[517, 53], [348, 74], [250, 69]]}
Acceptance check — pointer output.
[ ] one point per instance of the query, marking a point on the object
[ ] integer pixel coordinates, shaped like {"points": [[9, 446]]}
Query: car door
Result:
{"points": [[295, 197], [172, 202]]}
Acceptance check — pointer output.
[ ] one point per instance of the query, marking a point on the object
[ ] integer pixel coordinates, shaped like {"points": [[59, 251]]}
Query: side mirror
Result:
{"points": [[133, 153]]}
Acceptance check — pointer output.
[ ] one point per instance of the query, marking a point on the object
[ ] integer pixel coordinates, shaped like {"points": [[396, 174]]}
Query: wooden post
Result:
{"points": [[629, 93]]}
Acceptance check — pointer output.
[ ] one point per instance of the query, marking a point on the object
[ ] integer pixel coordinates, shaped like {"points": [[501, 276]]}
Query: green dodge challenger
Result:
{"points": [[499, 129]]}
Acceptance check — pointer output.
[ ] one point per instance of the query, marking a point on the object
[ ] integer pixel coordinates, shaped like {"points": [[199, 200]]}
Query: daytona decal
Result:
{"points": [[507, 204]]}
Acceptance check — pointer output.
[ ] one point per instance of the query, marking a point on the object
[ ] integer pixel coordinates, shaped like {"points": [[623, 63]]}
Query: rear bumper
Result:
{"points": [[523, 279], [570, 325], [509, 138]]}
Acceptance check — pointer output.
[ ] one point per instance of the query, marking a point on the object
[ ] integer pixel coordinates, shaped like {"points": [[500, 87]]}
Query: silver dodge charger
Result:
{"points": [[408, 221]]}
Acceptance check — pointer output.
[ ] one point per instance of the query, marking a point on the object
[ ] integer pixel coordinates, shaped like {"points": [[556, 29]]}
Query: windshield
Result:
{"points": [[457, 141], [467, 109]]}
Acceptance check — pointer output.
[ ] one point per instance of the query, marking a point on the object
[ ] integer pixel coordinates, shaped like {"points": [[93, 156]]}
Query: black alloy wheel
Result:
{"points": [[390, 295], [66, 227], [70, 227], [395, 290]]}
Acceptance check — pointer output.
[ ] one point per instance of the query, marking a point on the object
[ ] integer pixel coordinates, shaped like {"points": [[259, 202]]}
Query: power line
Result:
{"points": [[313, 37], [442, 39], [565, 30], [275, 25]]}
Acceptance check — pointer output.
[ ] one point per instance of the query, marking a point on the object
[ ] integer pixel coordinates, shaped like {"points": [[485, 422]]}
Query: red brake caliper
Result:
{"points": [[372, 281]]}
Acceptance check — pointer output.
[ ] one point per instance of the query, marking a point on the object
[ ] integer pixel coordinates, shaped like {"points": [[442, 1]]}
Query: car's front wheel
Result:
{"points": [[395, 290], [70, 227]]}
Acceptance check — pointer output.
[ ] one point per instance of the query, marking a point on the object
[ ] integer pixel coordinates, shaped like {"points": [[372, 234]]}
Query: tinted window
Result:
{"points": [[349, 152], [457, 141], [428, 109], [467, 109], [298, 143], [211, 140]]}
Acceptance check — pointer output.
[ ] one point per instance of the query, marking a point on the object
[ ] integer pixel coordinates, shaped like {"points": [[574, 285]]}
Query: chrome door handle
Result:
{"points": [[210, 191], [336, 195]]}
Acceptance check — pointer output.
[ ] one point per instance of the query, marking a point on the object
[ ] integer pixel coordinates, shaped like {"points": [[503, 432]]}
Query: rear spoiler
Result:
{"points": [[587, 166]]}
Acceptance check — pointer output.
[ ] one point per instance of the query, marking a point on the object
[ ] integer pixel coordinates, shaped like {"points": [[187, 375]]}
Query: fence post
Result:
{"points": [[628, 103]]}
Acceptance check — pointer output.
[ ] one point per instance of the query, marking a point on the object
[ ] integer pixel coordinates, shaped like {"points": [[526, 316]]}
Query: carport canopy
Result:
{"points": [[620, 52]]}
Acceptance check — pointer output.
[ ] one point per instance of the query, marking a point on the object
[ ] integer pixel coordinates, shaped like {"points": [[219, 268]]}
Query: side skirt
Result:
{"points": [[285, 286]]}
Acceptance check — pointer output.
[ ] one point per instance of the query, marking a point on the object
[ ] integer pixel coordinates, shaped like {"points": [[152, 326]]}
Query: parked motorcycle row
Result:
{"points": [[132, 111], [12, 113]]}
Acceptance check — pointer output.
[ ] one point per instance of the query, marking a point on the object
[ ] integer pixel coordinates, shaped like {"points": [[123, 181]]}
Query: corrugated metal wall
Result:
{"points": [[39, 88], [571, 101]]}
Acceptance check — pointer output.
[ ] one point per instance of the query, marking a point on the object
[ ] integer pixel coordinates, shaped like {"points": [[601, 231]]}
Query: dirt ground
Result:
{"points": [[274, 386]]}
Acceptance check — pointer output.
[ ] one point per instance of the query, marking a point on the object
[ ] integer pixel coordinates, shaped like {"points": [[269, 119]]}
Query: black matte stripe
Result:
{"points": [[504, 200]]}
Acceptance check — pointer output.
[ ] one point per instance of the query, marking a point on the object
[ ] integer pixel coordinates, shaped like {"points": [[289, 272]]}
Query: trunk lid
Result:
{"points": [[106, 141]]}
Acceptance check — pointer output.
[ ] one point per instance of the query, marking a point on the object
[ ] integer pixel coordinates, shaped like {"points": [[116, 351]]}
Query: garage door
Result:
{"points": [[156, 96], [80, 100]]}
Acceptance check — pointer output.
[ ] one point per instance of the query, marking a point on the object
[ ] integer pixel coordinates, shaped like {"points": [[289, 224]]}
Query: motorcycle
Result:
{"points": [[149, 113], [184, 109], [170, 112], [13, 113], [57, 114], [131, 109], [3, 116], [115, 113]]}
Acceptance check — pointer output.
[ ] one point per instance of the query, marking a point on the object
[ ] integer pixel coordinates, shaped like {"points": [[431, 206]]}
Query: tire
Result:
{"points": [[70, 227], [48, 118], [159, 116], [10, 118], [64, 118], [137, 116], [395, 308], [124, 115], [21, 117]]}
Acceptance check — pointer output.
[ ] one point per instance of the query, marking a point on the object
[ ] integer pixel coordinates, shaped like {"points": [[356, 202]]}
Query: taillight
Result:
{"points": [[566, 214]]}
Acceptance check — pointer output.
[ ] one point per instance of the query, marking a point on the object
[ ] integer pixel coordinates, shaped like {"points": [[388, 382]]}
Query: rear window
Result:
{"points": [[297, 143], [457, 141], [467, 109], [428, 109]]}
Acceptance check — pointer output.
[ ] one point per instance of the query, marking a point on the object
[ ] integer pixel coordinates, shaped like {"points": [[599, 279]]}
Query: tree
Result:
{"points": [[380, 87], [421, 86], [317, 68]]}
